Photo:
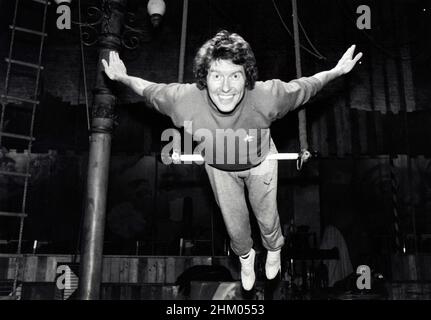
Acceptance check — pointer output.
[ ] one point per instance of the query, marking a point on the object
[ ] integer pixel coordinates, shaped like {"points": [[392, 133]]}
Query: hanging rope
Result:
{"points": [[183, 42], [317, 54], [84, 77], [84, 74], [304, 154], [309, 41], [398, 238]]}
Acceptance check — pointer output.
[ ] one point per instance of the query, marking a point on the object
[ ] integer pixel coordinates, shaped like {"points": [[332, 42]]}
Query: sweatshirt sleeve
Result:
{"points": [[163, 97], [287, 96]]}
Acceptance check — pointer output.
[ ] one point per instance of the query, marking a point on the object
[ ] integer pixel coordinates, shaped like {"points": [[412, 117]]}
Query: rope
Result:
{"points": [[302, 117], [399, 244], [309, 41], [84, 77], [83, 67], [318, 56], [183, 41]]}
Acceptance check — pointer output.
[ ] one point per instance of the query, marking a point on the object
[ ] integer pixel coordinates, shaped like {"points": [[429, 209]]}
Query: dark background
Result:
{"points": [[357, 124]]}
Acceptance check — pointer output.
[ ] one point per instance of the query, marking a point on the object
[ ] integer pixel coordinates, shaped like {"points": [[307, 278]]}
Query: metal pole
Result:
{"points": [[301, 114], [98, 163]]}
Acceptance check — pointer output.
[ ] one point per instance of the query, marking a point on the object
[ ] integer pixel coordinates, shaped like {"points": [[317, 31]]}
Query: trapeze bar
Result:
{"points": [[198, 157]]}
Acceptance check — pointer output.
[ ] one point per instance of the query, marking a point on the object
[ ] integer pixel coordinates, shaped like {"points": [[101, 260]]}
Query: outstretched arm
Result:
{"points": [[159, 96], [344, 65], [116, 70], [297, 92]]}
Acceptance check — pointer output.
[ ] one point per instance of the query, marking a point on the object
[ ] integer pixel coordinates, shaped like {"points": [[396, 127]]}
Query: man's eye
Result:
{"points": [[236, 76], [216, 76]]}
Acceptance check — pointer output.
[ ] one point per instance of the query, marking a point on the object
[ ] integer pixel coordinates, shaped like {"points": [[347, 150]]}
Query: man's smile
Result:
{"points": [[226, 98]]}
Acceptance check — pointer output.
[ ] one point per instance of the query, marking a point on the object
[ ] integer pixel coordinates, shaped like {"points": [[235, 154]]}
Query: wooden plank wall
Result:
{"points": [[156, 270], [111, 291]]}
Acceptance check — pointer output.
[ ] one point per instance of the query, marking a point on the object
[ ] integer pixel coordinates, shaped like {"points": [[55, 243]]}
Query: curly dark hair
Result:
{"points": [[229, 46]]}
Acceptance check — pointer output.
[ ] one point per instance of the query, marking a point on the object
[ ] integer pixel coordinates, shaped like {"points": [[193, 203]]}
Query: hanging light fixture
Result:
{"points": [[156, 10]]}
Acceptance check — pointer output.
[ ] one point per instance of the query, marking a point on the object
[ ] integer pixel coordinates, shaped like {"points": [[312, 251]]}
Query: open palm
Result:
{"points": [[116, 69], [347, 62]]}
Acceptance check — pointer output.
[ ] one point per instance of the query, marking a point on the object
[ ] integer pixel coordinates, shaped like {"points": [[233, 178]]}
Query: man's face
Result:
{"points": [[226, 84]]}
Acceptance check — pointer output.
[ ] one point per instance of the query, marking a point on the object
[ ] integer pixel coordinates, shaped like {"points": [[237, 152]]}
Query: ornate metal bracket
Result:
{"points": [[137, 28]]}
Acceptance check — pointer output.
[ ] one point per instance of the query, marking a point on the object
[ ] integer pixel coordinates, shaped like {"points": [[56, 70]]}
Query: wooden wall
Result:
{"points": [[116, 269]]}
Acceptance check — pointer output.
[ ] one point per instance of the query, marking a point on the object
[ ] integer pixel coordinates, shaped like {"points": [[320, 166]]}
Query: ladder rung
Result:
{"points": [[25, 64], [43, 34], [12, 214], [15, 174], [12, 98], [17, 136], [43, 2]]}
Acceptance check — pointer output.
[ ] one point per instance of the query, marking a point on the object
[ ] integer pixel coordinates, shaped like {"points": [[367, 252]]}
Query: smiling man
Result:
{"points": [[227, 98], [225, 81]]}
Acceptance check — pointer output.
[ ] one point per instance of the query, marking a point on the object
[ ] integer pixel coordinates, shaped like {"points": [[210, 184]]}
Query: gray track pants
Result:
{"points": [[261, 183]]}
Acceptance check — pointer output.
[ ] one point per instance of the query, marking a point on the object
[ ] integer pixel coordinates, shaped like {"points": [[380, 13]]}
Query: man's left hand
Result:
{"points": [[347, 62]]}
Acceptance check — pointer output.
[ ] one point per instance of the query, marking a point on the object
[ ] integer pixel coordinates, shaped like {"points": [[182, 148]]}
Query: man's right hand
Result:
{"points": [[115, 70]]}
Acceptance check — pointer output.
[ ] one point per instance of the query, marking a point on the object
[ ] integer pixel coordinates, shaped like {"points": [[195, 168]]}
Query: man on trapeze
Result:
{"points": [[228, 96]]}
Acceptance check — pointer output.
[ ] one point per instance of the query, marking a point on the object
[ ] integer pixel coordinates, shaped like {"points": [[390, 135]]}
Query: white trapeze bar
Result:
{"points": [[198, 157]]}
